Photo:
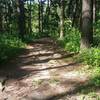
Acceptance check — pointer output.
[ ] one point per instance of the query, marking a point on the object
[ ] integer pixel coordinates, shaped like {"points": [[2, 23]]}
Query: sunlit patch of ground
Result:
{"points": [[43, 72]]}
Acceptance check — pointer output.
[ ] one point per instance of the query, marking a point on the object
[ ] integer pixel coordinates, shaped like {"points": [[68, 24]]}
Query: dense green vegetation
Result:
{"points": [[10, 45]]}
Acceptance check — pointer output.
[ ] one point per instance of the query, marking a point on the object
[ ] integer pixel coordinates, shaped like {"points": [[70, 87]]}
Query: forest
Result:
{"points": [[49, 49]]}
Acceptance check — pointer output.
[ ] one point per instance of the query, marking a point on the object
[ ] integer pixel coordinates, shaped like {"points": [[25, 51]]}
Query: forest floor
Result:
{"points": [[43, 72]]}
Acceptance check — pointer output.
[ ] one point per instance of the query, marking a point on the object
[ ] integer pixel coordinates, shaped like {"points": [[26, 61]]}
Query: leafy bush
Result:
{"points": [[95, 80], [31, 36], [70, 42], [91, 57], [97, 33], [10, 45]]}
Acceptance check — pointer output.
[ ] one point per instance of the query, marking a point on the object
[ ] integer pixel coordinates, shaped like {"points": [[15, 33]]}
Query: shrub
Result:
{"points": [[95, 79], [97, 33], [71, 40], [10, 45], [91, 57]]}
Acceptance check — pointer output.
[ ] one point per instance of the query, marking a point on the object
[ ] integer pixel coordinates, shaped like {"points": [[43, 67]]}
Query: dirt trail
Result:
{"points": [[41, 73]]}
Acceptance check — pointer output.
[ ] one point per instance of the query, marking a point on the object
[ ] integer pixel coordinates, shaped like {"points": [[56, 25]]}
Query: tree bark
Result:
{"points": [[21, 19], [39, 12], [30, 17], [62, 19], [94, 11], [86, 24], [1, 27]]}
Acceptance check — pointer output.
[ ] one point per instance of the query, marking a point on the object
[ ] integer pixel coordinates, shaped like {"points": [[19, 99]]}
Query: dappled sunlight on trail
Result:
{"points": [[41, 72]]}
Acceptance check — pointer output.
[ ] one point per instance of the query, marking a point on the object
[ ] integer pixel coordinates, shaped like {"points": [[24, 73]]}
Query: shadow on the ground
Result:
{"points": [[57, 67], [84, 88], [18, 72], [67, 87], [14, 68], [48, 57]]}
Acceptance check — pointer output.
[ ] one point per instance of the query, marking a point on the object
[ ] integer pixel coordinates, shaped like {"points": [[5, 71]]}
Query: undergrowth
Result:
{"points": [[71, 40], [90, 57], [10, 46]]}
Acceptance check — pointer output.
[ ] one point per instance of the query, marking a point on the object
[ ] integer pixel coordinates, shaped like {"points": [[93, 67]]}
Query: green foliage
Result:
{"points": [[94, 96], [95, 80], [30, 37], [51, 22], [10, 45], [70, 42], [97, 33], [31, 15], [54, 34], [91, 57]]}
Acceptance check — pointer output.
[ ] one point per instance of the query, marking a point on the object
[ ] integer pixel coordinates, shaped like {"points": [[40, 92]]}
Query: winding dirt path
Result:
{"points": [[41, 72]]}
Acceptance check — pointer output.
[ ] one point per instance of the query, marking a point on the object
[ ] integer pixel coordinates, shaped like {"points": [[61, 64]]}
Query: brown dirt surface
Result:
{"points": [[41, 72]]}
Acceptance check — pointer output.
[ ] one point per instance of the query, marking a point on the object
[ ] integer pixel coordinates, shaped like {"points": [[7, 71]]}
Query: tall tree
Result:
{"points": [[94, 11], [21, 19], [87, 24], [1, 27], [39, 16], [61, 18], [30, 17]]}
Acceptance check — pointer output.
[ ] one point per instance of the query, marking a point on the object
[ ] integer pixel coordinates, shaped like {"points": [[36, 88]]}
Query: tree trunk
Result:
{"points": [[30, 17], [62, 20], [94, 11], [86, 24], [21, 20], [1, 27], [39, 19]]}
